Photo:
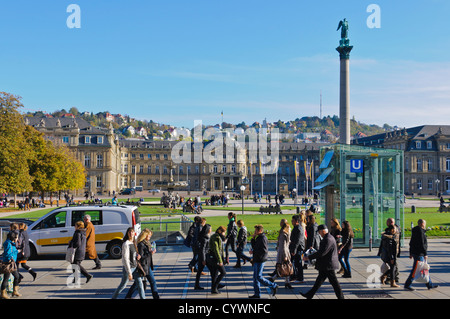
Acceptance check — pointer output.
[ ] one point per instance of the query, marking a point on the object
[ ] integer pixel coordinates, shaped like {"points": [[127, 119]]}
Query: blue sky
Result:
{"points": [[178, 61]]}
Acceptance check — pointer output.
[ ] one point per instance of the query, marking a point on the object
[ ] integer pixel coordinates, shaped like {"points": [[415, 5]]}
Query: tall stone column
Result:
{"points": [[344, 49]]}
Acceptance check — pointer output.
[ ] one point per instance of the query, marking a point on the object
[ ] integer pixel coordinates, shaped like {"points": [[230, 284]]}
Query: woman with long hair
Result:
{"points": [[130, 258], [23, 247], [283, 254], [146, 251], [346, 248]]}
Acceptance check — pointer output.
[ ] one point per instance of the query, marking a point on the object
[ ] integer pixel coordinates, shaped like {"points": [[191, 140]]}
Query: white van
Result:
{"points": [[51, 233]]}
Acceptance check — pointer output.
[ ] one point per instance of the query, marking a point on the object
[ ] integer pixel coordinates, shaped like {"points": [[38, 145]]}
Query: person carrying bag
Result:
{"points": [[8, 265]]}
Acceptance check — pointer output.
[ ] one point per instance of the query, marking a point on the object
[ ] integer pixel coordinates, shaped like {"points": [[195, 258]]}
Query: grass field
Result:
{"points": [[438, 224]]}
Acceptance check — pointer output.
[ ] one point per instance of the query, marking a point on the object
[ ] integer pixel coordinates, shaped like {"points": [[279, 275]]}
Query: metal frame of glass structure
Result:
{"points": [[364, 186]]}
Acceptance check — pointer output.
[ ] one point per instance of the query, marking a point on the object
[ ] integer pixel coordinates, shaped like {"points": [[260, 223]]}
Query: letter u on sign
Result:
{"points": [[356, 166]]}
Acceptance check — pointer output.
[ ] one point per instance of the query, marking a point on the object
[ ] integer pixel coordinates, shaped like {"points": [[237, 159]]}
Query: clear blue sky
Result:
{"points": [[178, 61]]}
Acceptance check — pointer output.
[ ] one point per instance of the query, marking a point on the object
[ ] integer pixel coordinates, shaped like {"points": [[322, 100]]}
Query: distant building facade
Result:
{"points": [[427, 156], [113, 164]]}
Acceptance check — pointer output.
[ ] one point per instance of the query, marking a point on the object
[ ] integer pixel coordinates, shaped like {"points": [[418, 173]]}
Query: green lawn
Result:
{"points": [[438, 223]]}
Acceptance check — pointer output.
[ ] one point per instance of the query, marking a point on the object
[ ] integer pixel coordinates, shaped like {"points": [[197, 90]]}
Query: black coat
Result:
{"points": [[418, 244], [297, 240], [146, 255], [24, 244], [242, 237], [203, 242], [314, 238], [78, 241], [388, 248], [260, 247], [327, 256]]}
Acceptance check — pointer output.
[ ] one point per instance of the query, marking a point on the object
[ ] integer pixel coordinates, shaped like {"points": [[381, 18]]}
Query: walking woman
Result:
{"points": [[231, 236], [10, 254], [283, 254], [388, 254], [130, 258], [241, 244], [203, 248], [78, 241], [346, 248], [335, 231], [23, 246], [215, 259], [146, 252]]}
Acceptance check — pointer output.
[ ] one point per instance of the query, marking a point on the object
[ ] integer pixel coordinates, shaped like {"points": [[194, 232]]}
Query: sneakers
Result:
{"points": [[410, 288]]}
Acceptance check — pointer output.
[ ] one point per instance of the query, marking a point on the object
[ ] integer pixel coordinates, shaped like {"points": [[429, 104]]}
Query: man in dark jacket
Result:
{"points": [[296, 248], [203, 248], [327, 263], [418, 247], [193, 232], [260, 252]]}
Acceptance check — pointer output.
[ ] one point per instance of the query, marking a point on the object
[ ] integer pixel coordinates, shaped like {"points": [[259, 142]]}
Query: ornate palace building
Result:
{"points": [[113, 164], [427, 156]]}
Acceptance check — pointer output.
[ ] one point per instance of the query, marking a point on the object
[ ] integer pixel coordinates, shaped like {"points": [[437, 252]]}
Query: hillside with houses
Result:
{"points": [[307, 129]]}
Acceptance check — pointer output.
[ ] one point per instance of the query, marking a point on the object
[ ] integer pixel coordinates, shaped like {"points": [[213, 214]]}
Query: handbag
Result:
{"points": [[7, 267], [141, 271], [284, 269], [70, 254]]}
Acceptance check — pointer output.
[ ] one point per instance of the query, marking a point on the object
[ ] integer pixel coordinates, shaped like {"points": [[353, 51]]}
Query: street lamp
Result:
{"points": [[437, 181], [242, 197]]}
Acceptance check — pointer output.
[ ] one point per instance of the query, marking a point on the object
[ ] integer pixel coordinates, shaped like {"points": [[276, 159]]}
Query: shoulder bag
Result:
{"points": [[8, 266], [285, 269]]}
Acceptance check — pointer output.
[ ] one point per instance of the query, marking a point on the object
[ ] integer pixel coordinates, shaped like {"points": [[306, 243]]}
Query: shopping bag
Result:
{"points": [[9, 286], [70, 254], [309, 252], [384, 268], [422, 273]]}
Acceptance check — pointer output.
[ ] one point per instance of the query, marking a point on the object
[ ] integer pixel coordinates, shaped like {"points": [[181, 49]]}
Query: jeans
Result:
{"points": [[343, 260], [298, 267], [124, 282], [240, 254], [138, 282], [411, 275], [231, 241], [258, 278]]}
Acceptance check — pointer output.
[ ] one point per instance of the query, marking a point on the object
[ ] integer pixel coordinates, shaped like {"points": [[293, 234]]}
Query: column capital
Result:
{"points": [[344, 51]]}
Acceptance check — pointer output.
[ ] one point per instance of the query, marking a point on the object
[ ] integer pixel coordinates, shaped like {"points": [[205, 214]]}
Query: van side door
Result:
{"points": [[55, 232]]}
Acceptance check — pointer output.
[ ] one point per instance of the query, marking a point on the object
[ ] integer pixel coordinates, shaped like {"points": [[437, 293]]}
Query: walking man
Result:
{"points": [[327, 263], [91, 251], [296, 248], [260, 252], [418, 246]]}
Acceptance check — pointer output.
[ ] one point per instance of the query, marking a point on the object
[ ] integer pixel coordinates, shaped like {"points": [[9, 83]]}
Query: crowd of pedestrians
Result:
{"points": [[300, 243]]}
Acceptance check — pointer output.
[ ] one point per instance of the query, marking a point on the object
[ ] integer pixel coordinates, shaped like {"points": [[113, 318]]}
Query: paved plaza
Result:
{"points": [[175, 281]]}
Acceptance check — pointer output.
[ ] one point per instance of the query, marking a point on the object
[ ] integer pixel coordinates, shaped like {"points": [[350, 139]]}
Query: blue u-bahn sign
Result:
{"points": [[356, 166]]}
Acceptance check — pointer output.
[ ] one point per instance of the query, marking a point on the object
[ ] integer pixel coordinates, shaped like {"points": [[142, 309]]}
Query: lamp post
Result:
{"points": [[242, 197], [295, 196], [437, 181]]}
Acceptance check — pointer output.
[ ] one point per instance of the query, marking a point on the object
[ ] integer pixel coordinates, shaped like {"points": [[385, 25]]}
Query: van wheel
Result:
{"points": [[115, 249]]}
